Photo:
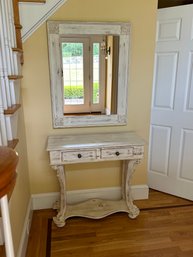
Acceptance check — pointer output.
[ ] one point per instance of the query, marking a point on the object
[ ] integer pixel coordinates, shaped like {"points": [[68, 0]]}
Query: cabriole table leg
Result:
{"points": [[59, 220], [129, 169]]}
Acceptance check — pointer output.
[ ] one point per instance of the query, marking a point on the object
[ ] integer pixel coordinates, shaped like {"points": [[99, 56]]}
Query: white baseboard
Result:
{"points": [[26, 229], [45, 201]]}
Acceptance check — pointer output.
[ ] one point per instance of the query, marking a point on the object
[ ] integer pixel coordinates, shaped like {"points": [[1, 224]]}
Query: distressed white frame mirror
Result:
{"points": [[59, 29]]}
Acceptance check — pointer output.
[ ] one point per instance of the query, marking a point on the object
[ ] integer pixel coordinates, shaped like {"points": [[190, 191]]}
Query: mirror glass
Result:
{"points": [[88, 73]]}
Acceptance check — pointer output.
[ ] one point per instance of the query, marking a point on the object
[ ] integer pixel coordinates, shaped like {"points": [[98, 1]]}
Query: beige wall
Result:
{"points": [[36, 93], [21, 195]]}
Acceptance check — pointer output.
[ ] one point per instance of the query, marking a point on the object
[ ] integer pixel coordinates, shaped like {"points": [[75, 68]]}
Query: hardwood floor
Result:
{"points": [[164, 228], [117, 236], [2, 251]]}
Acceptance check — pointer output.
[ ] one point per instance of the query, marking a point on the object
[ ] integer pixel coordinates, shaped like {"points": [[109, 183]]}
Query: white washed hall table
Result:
{"points": [[69, 149]]}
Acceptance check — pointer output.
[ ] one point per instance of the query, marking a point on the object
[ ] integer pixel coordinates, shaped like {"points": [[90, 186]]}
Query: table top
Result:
{"points": [[60, 142]]}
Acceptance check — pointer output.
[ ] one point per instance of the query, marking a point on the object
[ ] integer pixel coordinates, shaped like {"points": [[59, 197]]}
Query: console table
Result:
{"points": [[67, 149]]}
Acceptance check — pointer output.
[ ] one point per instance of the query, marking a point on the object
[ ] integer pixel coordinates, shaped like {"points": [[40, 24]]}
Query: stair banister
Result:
{"points": [[8, 163]]}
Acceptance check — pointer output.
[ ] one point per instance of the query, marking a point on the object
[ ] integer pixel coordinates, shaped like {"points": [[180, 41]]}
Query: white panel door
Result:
{"points": [[171, 137]]}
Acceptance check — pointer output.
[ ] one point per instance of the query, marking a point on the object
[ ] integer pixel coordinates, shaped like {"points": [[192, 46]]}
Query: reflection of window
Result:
{"points": [[83, 66]]}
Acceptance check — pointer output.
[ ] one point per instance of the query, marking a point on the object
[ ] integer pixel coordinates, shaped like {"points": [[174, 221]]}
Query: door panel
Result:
{"points": [[171, 136], [189, 99], [159, 159], [186, 162], [165, 83], [168, 30]]}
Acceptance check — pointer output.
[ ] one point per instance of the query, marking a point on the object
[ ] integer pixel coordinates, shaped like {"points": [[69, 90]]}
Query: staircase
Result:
{"points": [[11, 61], [11, 56]]}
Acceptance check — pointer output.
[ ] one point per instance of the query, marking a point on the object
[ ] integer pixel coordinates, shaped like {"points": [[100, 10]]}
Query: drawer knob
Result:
{"points": [[117, 153], [79, 155]]}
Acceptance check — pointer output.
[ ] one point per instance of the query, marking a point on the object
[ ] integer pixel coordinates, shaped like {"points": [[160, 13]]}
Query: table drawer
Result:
{"points": [[138, 151], [79, 156], [117, 153]]}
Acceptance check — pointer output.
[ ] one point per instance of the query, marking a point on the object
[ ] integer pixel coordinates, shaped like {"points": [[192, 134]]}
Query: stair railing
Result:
{"points": [[9, 70]]}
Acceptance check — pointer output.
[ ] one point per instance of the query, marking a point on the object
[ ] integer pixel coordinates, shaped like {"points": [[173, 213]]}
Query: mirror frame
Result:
{"points": [[57, 29]]}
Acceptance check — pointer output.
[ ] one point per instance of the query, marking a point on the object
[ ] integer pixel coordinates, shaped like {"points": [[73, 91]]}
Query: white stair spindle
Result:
{"points": [[12, 91], [15, 91], [2, 121], [4, 140], [1, 60], [7, 227], [3, 93], [5, 53], [8, 127], [1, 143], [16, 69], [3, 90], [3, 40], [5, 4], [13, 37], [8, 94], [4, 59], [2, 241], [11, 22]]}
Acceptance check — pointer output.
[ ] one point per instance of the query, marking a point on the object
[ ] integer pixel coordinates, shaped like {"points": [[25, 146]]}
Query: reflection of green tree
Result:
{"points": [[96, 49], [72, 49], [76, 49]]}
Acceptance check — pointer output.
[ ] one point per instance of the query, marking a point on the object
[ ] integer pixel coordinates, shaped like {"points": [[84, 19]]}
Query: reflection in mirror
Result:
{"points": [[89, 73]]}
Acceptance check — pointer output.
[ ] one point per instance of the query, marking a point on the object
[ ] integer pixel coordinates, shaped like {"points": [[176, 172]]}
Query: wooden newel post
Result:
{"points": [[8, 163]]}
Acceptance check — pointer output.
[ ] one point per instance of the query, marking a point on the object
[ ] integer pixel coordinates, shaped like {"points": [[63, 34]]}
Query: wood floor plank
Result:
{"points": [[2, 251], [164, 228], [38, 233], [118, 234]]}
